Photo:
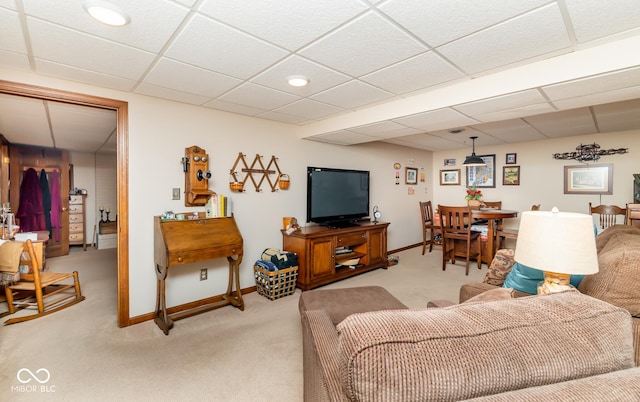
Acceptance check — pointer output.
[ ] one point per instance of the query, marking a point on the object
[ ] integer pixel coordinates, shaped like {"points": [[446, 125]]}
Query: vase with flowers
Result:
{"points": [[474, 197]]}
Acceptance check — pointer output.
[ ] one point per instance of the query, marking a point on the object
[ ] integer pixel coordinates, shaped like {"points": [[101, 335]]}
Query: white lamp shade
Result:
{"points": [[562, 242]]}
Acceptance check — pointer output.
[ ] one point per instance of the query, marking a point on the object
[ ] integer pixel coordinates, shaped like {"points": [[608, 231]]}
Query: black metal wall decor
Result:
{"points": [[589, 152]]}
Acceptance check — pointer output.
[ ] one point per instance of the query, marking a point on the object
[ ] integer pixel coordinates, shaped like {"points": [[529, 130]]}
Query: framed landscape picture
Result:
{"points": [[588, 179], [450, 177], [482, 176], [511, 175]]}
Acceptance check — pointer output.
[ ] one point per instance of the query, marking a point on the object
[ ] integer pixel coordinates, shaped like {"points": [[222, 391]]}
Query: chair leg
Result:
{"points": [[479, 258], [432, 235], [466, 269], [9, 294]]}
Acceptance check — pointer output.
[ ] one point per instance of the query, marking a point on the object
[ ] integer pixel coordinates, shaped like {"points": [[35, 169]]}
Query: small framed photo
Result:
{"points": [[449, 162], [588, 179], [511, 175], [411, 175], [511, 159], [450, 177]]}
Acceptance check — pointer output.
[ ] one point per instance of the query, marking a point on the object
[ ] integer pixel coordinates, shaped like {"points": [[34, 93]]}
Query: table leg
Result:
{"points": [[491, 237], [161, 318], [234, 277]]}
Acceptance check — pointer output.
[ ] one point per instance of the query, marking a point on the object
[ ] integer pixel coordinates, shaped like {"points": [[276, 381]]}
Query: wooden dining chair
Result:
{"points": [[503, 234], [493, 204], [633, 214], [608, 214], [48, 292], [429, 228], [455, 226]]}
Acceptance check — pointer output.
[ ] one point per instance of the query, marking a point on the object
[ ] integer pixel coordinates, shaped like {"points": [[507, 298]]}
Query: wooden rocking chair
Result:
{"points": [[48, 291]]}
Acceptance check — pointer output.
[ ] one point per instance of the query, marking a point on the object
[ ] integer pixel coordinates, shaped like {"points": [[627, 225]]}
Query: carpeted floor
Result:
{"points": [[222, 355]]}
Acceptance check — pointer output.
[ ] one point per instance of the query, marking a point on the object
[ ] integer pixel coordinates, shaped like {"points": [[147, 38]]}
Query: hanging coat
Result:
{"points": [[30, 211], [56, 205], [46, 199]]}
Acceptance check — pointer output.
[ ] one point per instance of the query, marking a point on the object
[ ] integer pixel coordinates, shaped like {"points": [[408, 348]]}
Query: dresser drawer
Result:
{"points": [[75, 199], [76, 227], [76, 237], [75, 209], [75, 218]]}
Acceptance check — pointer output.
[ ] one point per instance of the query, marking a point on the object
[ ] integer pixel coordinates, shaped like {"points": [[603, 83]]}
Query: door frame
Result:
{"points": [[122, 170]]}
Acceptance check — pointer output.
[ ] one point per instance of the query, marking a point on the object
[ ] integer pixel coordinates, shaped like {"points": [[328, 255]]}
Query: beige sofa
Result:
{"points": [[564, 346], [617, 282]]}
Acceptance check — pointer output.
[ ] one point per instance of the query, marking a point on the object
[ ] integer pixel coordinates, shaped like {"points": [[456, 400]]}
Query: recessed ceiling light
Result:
{"points": [[106, 12], [297, 80], [456, 131]]}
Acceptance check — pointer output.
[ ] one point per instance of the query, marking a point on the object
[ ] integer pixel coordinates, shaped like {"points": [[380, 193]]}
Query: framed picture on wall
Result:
{"points": [[511, 159], [450, 177], [588, 179], [411, 175], [511, 175], [482, 176]]}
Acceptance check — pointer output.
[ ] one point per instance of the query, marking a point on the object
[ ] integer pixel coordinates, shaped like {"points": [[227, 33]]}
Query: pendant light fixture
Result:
{"points": [[473, 160]]}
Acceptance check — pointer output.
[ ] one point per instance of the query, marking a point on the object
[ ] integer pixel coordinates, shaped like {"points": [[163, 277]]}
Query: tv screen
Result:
{"points": [[337, 197]]}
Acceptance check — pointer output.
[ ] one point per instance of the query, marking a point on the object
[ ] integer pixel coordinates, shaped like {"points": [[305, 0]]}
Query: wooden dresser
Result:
{"points": [[77, 233]]}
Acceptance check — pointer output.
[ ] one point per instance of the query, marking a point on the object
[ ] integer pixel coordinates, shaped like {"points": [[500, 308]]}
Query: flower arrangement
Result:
{"points": [[473, 193]]}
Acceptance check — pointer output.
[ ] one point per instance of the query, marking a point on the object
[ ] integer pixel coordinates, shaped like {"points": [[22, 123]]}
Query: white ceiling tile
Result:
{"points": [[351, 95], [309, 109], [527, 110], [152, 23], [23, 121], [424, 141], [618, 116], [436, 120], [500, 103], [320, 78], [355, 48], [282, 117], [186, 78], [594, 84], [172, 94], [564, 123], [211, 45], [8, 4], [440, 21], [233, 107], [70, 73], [14, 60], [599, 98], [290, 24], [47, 41], [343, 137], [258, 96], [80, 127], [385, 129], [594, 19], [464, 137], [528, 36], [514, 130], [12, 38], [188, 3], [419, 72]]}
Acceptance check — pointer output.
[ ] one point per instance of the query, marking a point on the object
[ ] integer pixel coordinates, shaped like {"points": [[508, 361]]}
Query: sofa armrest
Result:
{"points": [[321, 360], [439, 303], [470, 289]]}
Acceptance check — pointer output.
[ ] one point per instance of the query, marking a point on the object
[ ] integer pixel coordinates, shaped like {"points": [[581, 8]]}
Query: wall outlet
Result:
{"points": [[203, 274], [175, 193]]}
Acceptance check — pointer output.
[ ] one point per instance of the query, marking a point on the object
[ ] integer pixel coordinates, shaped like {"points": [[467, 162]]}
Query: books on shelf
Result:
{"points": [[217, 206]]}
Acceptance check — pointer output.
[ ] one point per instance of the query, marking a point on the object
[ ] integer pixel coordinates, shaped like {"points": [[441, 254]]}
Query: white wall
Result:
{"points": [[542, 177]]}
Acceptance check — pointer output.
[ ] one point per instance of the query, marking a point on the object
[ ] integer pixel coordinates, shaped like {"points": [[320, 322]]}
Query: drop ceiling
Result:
{"points": [[400, 71]]}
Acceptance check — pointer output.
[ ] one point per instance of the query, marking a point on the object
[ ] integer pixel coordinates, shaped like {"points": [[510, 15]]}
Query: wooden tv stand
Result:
{"points": [[319, 263]]}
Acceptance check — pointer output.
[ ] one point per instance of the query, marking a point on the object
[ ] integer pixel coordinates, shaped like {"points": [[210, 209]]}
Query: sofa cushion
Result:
{"points": [[525, 279], [500, 267], [492, 295], [464, 351], [618, 279]]}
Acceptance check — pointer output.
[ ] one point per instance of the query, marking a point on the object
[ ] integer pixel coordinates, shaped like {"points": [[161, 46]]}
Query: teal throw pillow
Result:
{"points": [[525, 279]]}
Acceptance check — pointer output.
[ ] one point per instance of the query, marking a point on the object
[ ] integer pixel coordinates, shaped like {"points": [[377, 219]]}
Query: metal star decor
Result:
{"points": [[589, 152]]}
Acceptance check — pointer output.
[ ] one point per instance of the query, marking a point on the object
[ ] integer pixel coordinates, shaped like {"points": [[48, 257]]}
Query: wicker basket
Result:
{"points": [[275, 284]]}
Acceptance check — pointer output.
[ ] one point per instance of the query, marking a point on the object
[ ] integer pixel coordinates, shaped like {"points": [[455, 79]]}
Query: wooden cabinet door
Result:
{"points": [[377, 246], [321, 257], [51, 160]]}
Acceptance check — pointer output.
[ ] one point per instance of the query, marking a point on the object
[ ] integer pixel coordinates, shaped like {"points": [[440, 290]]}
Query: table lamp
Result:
{"points": [[560, 244]]}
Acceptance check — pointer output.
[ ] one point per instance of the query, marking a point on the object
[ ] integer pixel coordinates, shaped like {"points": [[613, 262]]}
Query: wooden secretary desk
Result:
{"points": [[179, 242]]}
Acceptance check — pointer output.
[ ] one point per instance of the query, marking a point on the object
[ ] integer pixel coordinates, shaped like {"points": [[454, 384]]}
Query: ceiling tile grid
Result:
{"points": [[359, 55]]}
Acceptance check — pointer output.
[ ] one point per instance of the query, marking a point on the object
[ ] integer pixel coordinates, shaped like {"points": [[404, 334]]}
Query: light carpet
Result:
{"points": [[221, 355]]}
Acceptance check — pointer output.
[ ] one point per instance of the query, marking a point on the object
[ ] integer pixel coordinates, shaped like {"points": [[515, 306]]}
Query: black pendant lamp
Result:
{"points": [[473, 160]]}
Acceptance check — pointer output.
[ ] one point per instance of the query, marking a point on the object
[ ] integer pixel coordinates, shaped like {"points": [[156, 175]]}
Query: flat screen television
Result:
{"points": [[337, 197]]}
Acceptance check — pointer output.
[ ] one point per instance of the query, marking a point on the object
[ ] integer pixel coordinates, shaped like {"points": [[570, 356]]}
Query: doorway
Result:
{"points": [[121, 108]]}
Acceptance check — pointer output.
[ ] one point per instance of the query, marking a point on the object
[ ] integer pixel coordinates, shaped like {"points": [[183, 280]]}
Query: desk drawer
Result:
{"points": [[75, 199], [76, 227], [76, 237], [75, 209]]}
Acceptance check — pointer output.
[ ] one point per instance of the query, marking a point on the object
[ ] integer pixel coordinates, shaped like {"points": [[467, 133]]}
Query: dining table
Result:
{"points": [[491, 215]]}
